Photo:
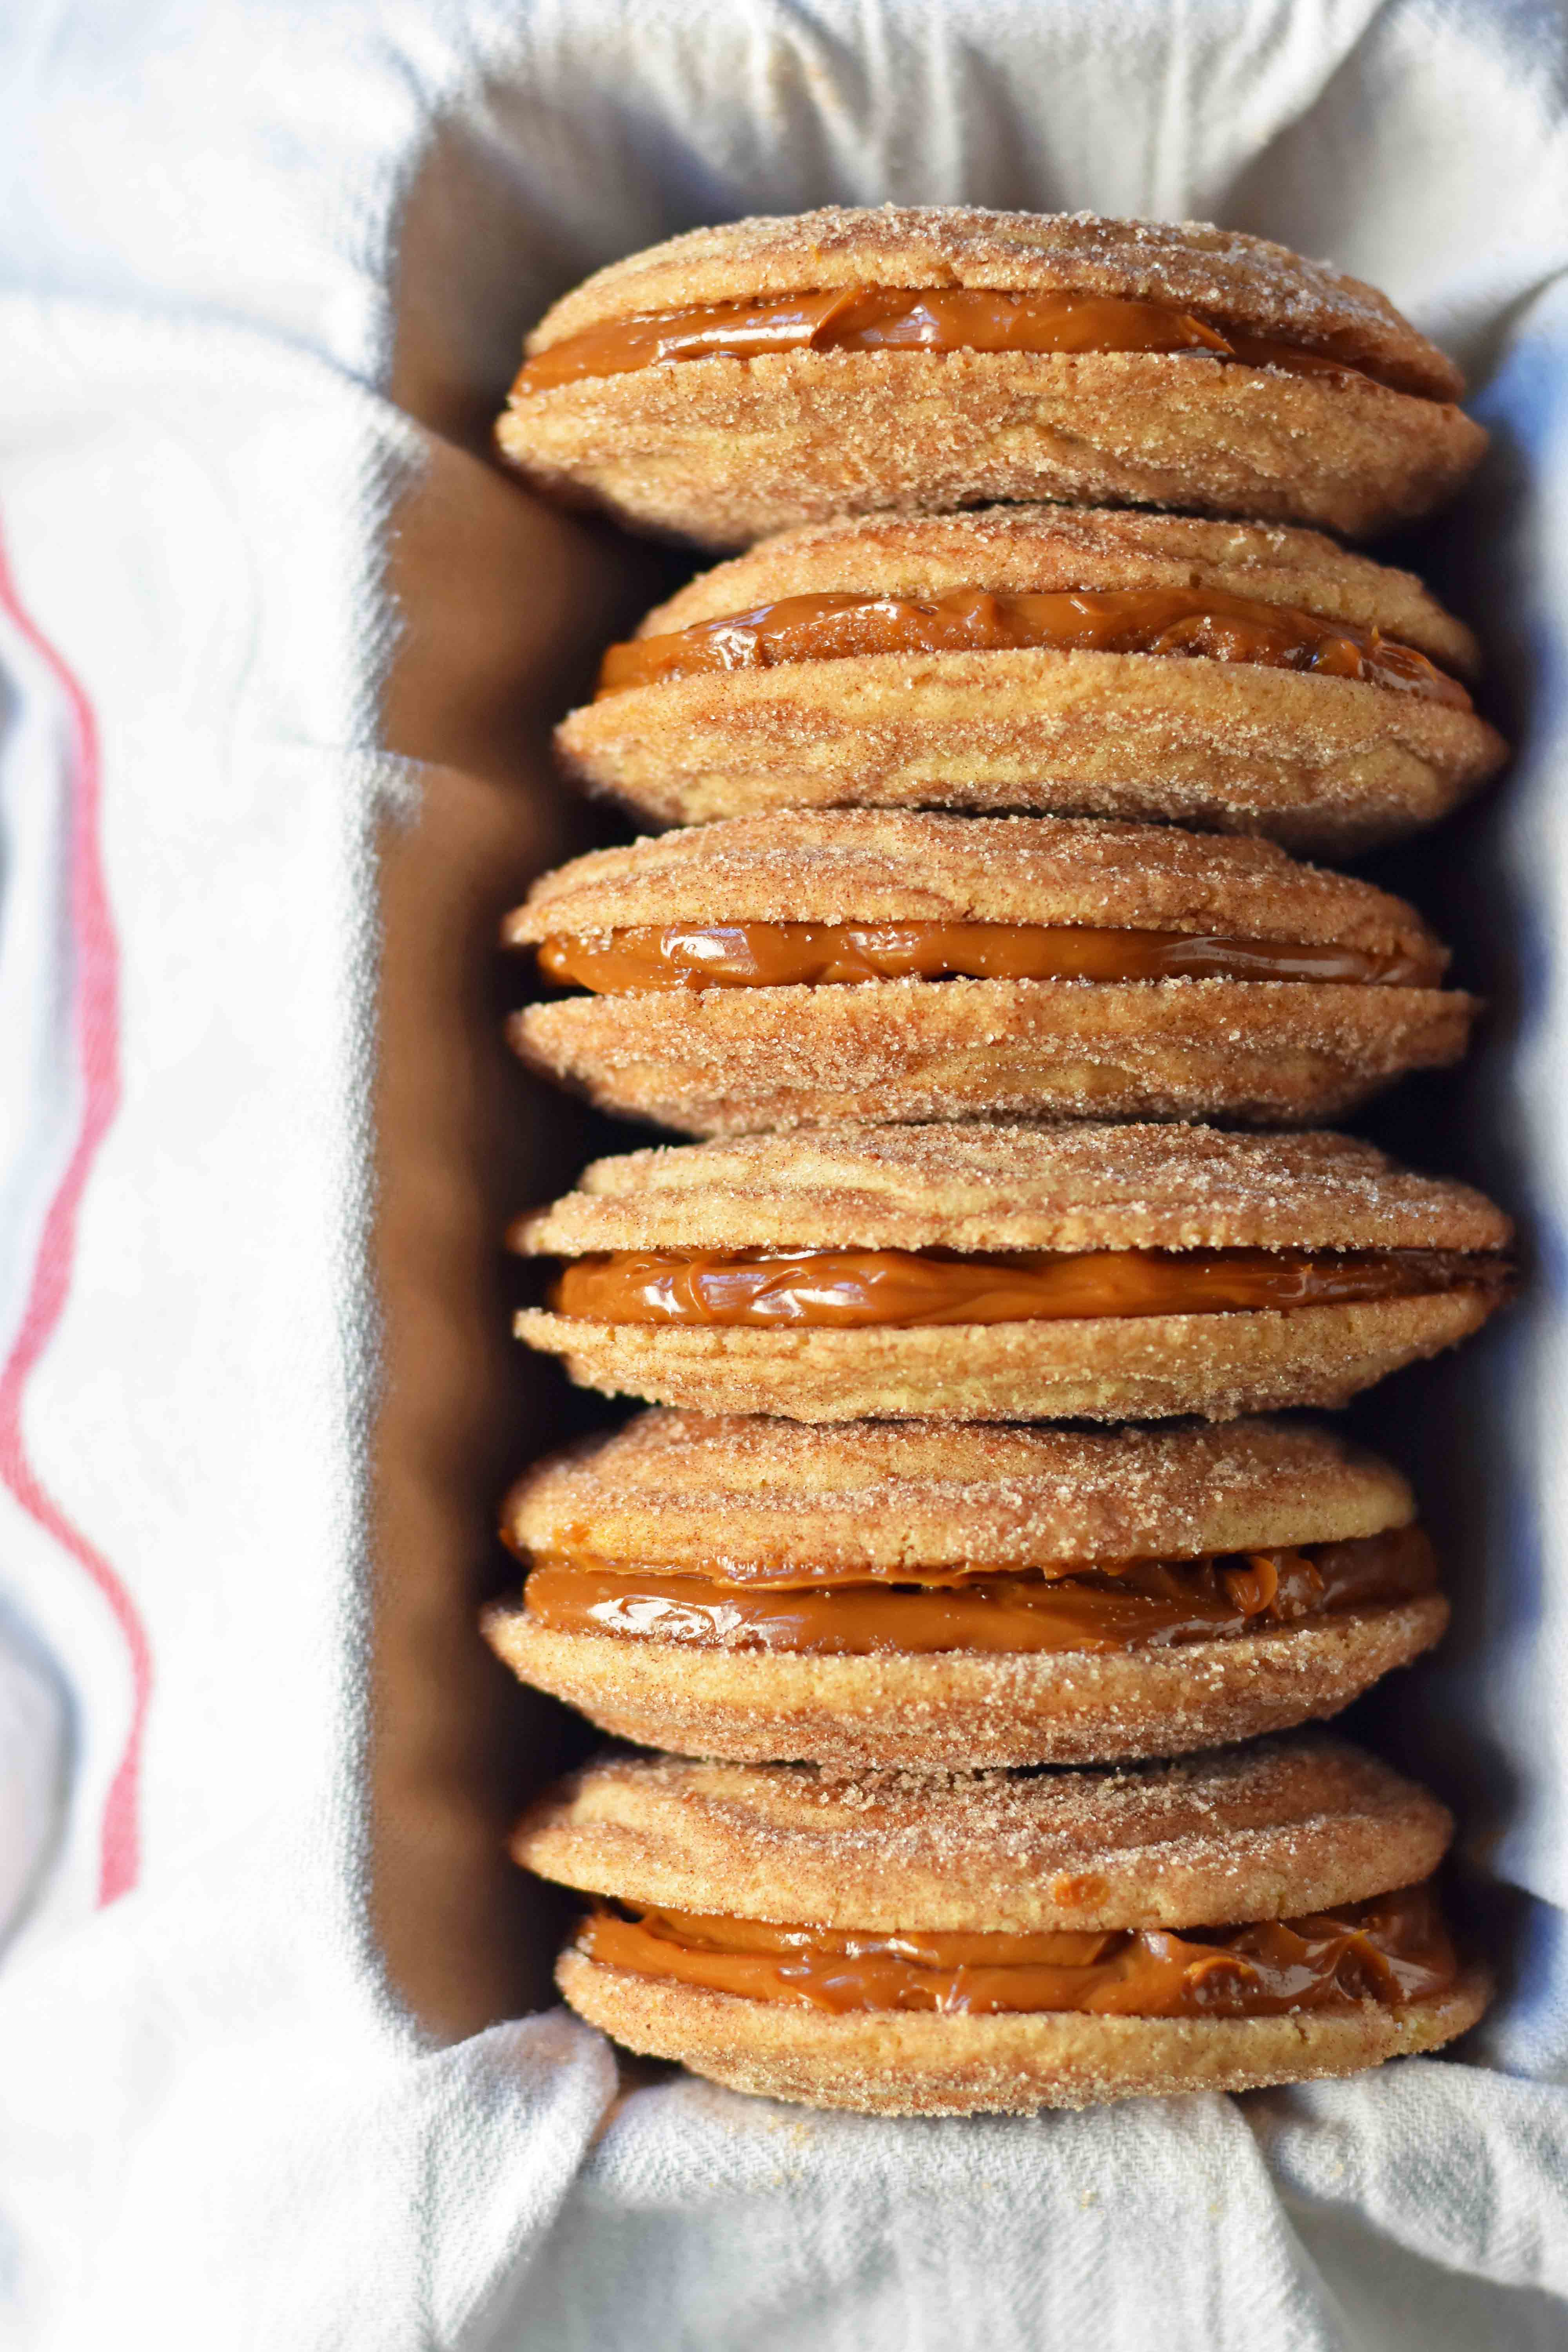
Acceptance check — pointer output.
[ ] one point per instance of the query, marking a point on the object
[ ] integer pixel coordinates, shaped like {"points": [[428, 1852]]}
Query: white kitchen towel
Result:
{"points": [[213, 2128]]}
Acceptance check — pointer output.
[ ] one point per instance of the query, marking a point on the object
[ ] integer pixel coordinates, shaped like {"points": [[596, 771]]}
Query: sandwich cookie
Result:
{"points": [[1237, 676], [992, 1273], [740, 379], [909, 1945], [938, 1593], [789, 971]]}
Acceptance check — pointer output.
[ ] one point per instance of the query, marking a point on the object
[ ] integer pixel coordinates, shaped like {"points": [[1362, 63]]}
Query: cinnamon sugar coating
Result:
{"points": [[721, 450], [986, 1188], [735, 1061], [696, 1490], [893, 2062], [1271, 1830], [965, 1187], [895, 866], [1217, 273], [715, 1493], [722, 1062], [1141, 1367], [1324, 765], [1268, 1832], [958, 1708], [1314, 761], [1041, 549]]}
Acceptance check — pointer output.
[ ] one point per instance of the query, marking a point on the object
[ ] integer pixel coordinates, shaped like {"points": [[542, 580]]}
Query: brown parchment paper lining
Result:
{"points": [[499, 605]]}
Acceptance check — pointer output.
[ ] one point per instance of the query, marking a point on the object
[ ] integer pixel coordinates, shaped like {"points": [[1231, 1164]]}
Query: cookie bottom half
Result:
{"points": [[735, 1061], [965, 1709], [900, 2062], [723, 451], [1325, 764], [1130, 1368]]}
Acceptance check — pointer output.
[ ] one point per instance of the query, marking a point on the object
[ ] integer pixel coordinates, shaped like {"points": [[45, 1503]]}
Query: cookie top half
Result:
{"points": [[893, 865], [1042, 549], [1221, 275], [974, 1187], [708, 1491], [1273, 1830]]}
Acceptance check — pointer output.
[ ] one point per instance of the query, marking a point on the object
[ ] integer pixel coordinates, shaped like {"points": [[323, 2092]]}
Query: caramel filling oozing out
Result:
{"points": [[1210, 624], [849, 1289], [1394, 1948], [819, 955], [858, 1611], [891, 318]]}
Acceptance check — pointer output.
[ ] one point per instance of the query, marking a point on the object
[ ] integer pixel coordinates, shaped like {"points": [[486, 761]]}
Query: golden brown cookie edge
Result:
{"points": [[1315, 764], [903, 2064], [880, 866], [1133, 1368], [956, 1708], [723, 452], [743, 1061], [1258, 283]]}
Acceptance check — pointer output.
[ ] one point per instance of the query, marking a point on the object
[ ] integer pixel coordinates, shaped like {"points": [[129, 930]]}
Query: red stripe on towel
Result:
{"points": [[96, 1010]]}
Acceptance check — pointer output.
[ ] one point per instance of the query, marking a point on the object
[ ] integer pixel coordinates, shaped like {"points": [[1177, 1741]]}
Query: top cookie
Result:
{"points": [[1218, 274], [1012, 1188], [1250, 1833], [896, 866], [743, 378], [703, 1490]]}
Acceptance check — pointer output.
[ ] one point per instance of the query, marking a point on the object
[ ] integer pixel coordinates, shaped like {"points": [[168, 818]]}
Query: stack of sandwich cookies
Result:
{"points": [[930, 1945], [1228, 675], [784, 970], [997, 1273], [740, 379], [990, 792], [944, 1593]]}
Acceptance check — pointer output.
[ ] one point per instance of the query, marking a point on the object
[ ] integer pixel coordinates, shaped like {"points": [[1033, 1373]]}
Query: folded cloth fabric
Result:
{"points": [[35, 1740], [264, 271]]}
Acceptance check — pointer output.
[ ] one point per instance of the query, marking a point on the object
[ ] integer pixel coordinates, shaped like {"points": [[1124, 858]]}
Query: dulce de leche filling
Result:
{"points": [[858, 1611], [1210, 624], [1392, 1949], [891, 318], [646, 957], [848, 1290]]}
